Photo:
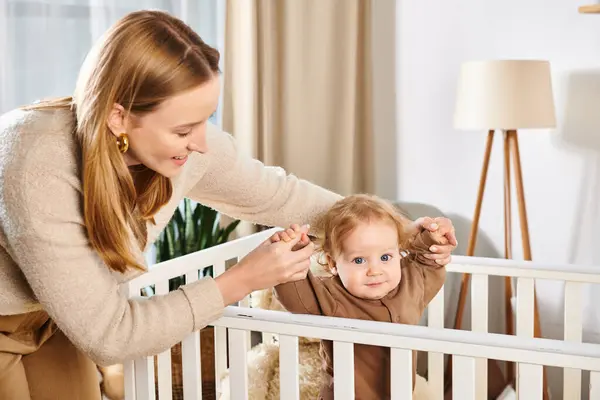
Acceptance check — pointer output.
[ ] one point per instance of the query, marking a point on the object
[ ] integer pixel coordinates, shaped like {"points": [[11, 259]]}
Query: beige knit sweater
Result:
{"points": [[46, 261]]}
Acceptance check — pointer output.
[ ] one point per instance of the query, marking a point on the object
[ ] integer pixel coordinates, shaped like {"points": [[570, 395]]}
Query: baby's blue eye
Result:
{"points": [[358, 260], [386, 257]]}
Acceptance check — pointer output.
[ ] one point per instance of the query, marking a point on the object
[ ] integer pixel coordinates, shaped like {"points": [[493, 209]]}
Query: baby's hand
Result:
{"points": [[290, 234]]}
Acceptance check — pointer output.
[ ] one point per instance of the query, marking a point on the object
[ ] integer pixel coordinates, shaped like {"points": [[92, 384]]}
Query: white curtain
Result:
{"points": [[43, 42]]}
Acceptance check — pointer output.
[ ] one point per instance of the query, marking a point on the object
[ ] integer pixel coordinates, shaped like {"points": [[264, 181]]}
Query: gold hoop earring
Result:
{"points": [[123, 142]]}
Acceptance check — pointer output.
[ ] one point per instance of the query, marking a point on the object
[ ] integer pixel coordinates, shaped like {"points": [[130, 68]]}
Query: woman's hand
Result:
{"points": [[443, 226], [271, 263]]}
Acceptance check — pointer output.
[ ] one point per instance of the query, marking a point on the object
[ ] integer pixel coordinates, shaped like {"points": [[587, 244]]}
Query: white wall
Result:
{"points": [[561, 167]]}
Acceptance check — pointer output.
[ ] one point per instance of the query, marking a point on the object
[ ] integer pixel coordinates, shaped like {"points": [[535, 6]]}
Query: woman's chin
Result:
{"points": [[170, 168]]}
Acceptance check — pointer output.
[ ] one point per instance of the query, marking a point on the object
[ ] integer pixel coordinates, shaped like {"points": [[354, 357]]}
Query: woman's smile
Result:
{"points": [[180, 160]]}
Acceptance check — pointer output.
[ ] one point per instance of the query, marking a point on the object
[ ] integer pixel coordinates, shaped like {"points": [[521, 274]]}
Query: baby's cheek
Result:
{"points": [[396, 276]]}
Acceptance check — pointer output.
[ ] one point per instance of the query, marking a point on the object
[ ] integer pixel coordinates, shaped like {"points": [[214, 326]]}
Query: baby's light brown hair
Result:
{"points": [[334, 226]]}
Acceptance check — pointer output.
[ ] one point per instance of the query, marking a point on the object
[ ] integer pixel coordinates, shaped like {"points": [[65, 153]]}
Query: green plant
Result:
{"points": [[194, 229]]}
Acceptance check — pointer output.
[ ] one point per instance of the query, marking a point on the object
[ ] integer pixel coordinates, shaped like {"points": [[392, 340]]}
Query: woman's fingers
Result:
{"points": [[299, 275], [299, 270], [304, 253], [441, 259], [287, 235], [304, 240], [439, 251]]}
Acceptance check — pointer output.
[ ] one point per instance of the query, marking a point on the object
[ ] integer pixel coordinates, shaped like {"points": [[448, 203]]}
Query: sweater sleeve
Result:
{"points": [[244, 188], [306, 296], [47, 239], [433, 274]]}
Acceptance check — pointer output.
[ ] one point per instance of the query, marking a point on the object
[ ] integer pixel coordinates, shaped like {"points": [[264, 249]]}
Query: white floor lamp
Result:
{"points": [[504, 95]]}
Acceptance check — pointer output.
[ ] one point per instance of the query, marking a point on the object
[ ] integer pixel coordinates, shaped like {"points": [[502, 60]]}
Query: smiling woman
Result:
{"points": [[89, 181], [146, 75]]}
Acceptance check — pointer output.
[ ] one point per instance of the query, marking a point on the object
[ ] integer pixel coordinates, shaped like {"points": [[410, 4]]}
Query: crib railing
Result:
{"points": [[139, 374], [464, 346], [525, 273], [468, 349]]}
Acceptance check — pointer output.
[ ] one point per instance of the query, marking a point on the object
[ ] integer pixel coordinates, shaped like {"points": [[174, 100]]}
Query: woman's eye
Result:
{"points": [[358, 260], [184, 134]]}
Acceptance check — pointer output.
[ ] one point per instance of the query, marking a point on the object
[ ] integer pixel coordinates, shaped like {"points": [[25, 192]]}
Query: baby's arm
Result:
{"points": [[307, 295], [433, 274]]}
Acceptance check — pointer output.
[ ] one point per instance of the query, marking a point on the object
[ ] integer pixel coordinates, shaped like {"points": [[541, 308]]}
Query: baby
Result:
{"points": [[378, 273]]}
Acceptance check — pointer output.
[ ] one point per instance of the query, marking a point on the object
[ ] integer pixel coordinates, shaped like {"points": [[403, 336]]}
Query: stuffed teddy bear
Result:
{"points": [[263, 362]]}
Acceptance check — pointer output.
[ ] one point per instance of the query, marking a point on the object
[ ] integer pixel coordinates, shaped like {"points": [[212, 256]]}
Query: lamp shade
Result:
{"points": [[505, 94]]}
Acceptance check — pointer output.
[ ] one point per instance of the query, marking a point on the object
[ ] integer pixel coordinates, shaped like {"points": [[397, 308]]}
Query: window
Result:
{"points": [[43, 42]]}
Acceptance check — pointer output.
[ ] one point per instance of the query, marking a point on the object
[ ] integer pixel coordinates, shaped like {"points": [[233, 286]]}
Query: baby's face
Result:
{"points": [[369, 265]]}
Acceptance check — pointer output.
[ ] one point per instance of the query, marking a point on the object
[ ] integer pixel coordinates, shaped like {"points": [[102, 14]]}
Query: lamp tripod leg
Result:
{"points": [[508, 250]]}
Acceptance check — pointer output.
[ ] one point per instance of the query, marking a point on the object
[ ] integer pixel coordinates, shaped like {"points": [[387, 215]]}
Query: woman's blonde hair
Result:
{"points": [[334, 226], [142, 60]]}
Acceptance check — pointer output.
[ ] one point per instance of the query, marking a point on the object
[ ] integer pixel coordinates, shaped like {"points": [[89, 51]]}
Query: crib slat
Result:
{"points": [[190, 357], [245, 302], [138, 374], [343, 365], [479, 323], [220, 339], [144, 378], [220, 356], [129, 380], [268, 337], [191, 370], [218, 268], [435, 311], [531, 381], [479, 303], [435, 374], [573, 332], [165, 384], [238, 372], [463, 378], [594, 385], [401, 369], [525, 294], [525, 305], [288, 364], [435, 361]]}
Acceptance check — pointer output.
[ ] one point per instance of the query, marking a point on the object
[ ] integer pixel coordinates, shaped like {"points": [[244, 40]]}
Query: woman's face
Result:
{"points": [[162, 139]]}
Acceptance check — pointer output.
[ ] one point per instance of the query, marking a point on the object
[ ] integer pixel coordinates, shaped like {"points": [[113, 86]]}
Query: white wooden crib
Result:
{"points": [[469, 349]]}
